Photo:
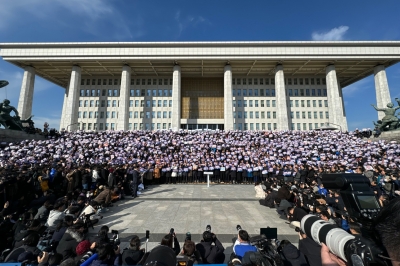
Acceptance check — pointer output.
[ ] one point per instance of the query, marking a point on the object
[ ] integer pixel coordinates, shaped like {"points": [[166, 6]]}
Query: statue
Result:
{"points": [[12, 122], [389, 121]]}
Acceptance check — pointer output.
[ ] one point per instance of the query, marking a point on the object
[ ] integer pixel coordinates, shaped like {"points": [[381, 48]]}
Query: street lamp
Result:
{"points": [[327, 126], [72, 124]]}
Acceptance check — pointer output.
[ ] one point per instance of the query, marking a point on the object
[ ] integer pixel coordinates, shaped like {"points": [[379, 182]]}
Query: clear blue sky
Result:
{"points": [[217, 20]]}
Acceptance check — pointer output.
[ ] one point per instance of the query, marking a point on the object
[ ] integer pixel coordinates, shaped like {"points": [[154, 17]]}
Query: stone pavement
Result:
{"points": [[189, 208]]}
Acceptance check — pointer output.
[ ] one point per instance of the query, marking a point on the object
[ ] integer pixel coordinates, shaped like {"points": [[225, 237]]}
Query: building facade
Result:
{"points": [[202, 85]]}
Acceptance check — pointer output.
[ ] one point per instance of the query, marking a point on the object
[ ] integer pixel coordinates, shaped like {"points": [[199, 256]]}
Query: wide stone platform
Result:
{"points": [[189, 208], [7, 135], [389, 136]]}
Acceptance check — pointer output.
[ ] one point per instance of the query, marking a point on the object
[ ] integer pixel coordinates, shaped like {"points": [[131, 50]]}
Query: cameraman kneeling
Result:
{"points": [[133, 254], [211, 254]]}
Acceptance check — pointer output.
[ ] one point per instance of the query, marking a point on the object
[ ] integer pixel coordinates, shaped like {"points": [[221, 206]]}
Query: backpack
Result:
{"points": [[254, 258], [44, 183]]}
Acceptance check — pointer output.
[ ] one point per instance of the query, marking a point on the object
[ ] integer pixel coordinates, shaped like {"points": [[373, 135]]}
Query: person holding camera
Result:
{"points": [[133, 254], [210, 248], [171, 241], [189, 253], [107, 256], [242, 244], [310, 249]]}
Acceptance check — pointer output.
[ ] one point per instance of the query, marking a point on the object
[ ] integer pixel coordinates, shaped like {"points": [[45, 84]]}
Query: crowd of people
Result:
{"points": [[64, 184]]}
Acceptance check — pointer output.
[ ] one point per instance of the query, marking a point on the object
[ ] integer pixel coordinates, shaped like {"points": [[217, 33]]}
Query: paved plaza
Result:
{"points": [[189, 208]]}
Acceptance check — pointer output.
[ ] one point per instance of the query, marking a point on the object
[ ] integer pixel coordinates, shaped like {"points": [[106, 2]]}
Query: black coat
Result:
{"points": [[298, 214], [211, 254], [270, 199], [68, 243], [311, 250], [131, 257], [135, 177], [291, 256]]}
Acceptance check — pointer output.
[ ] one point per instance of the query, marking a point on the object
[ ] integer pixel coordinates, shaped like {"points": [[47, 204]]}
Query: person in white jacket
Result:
{"points": [[89, 209], [260, 193], [56, 215]]}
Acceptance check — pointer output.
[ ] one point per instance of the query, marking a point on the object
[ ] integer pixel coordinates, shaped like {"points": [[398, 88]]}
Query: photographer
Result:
{"points": [[29, 246], [90, 212], [310, 249], [62, 227], [189, 253], [290, 255], [242, 244], [107, 256], [56, 215], [170, 240], [73, 235], [133, 254], [388, 227], [102, 236], [211, 254], [296, 214]]}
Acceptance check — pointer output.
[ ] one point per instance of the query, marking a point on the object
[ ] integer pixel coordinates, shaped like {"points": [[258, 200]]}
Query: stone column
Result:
{"points": [[280, 91], [228, 106], [344, 118], [123, 109], [71, 101], [26, 94], [62, 124], [381, 89], [335, 106], [176, 98]]}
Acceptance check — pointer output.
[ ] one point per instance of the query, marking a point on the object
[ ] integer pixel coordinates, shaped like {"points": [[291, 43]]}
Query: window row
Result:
{"points": [[148, 103], [149, 126], [112, 126], [249, 92], [250, 126], [151, 82], [118, 82], [288, 81], [311, 126], [132, 93], [132, 114], [132, 103], [257, 103], [98, 93], [273, 126], [306, 92], [307, 103], [154, 93], [255, 114], [309, 115], [272, 103], [271, 92]]}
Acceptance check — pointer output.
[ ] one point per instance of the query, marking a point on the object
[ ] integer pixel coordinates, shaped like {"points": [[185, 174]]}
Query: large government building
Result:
{"points": [[202, 85]]}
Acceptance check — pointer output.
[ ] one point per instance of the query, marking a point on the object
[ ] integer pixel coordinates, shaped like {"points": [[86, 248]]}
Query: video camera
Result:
{"points": [[355, 250], [114, 240], [266, 244]]}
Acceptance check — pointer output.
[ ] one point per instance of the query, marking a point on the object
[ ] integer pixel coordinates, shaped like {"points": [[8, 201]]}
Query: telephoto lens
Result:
{"points": [[323, 232]]}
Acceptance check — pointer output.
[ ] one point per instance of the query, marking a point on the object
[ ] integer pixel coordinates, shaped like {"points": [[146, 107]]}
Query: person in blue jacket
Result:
{"points": [[242, 244]]}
